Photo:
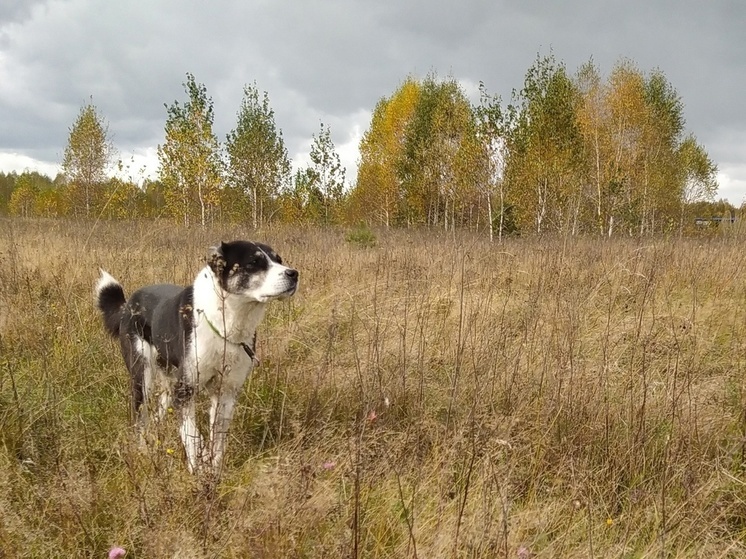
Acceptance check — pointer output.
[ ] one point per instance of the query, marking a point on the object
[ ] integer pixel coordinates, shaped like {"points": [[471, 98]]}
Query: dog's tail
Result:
{"points": [[110, 298]]}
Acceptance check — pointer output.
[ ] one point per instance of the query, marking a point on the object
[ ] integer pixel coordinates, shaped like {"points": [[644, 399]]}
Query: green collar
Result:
{"points": [[246, 347]]}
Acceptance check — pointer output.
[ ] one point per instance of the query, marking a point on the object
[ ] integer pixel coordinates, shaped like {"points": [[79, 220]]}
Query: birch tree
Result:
{"points": [[258, 161], [377, 195], [439, 138], [492, 129], [594, 123], [23, 197], [325, 175], [190, 158], [698, 175], [88, 155], [545, 149]]}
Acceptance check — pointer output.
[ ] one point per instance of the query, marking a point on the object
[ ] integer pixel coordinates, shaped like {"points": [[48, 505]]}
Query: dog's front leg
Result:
{"points": [[190, 436], [223, 405]]}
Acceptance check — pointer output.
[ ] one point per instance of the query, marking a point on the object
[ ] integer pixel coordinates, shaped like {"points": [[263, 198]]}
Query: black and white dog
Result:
{"points": [[179, 341]]}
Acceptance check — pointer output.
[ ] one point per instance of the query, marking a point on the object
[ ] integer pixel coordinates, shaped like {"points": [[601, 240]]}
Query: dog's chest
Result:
{"points": [[222, 322], [217, 357]]}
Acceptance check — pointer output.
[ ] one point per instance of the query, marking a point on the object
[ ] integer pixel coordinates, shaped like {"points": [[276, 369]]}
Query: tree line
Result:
{"points": [[568, 153]]}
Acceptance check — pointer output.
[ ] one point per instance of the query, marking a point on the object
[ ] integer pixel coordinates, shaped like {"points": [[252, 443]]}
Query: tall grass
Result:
{"points": [[421, 397]]}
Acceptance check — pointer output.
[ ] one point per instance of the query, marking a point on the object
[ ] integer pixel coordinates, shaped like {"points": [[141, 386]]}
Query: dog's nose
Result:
{"points": [[292, 274]]}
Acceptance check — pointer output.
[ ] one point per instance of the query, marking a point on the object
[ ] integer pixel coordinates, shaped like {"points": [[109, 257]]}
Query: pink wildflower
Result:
{"points": [[117, 553]]}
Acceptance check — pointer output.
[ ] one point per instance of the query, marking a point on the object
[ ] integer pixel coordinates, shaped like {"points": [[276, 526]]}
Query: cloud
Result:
{"points": [[19, 163], [12, 11], [732, 182], [332, 61]]}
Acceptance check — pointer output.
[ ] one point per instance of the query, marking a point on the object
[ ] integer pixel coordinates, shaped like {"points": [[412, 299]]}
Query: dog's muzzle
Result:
{"points": [[292, 280]]}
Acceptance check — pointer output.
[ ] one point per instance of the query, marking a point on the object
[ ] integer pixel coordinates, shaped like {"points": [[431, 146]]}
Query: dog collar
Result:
{"points": [[246, 347]]}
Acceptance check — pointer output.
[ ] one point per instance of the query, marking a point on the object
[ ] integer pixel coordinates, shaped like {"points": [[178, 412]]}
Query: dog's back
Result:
{"points": [[161, 315]]}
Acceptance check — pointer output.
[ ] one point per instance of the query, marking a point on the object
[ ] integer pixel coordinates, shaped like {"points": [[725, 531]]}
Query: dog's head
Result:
{"points": [[252, 270]]}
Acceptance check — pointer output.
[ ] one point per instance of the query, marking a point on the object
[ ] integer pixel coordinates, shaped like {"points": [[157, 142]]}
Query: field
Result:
{"points": [[429, 396]]}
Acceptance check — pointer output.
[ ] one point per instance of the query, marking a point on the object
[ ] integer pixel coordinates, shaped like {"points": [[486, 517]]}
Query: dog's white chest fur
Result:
{"points": [[223, 322]]}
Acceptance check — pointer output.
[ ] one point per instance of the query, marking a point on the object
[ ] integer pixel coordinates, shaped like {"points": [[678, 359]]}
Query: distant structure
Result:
{"points": [[707, 221]]}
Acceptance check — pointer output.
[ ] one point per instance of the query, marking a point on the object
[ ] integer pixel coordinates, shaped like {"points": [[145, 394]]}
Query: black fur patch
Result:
{"points": [[241, 260], [110, 302]]}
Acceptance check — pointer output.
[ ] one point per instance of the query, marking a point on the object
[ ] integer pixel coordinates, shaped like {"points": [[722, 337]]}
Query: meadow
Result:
{"points": [[433, 395]]}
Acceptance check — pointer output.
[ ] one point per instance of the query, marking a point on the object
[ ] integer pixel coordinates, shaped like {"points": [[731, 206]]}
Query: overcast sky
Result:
{"points": [[331, 61]]}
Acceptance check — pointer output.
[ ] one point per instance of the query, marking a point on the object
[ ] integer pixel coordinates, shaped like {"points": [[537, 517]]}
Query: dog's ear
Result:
{"points": [[216, 259]]}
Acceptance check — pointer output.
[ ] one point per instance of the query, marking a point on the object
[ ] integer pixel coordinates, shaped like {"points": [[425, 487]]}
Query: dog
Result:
{"points": [[178, 342]]}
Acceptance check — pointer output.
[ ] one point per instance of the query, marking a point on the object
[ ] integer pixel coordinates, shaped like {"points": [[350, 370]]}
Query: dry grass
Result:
{"points": [[427, 397]]}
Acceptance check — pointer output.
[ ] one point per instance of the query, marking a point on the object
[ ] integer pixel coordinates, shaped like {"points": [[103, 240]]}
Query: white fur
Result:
{"points": [[104, 281], [219, 364]]}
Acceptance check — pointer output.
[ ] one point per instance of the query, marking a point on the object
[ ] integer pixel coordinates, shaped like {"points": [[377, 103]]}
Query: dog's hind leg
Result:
{"points": [[133, 358], [148, 357]]}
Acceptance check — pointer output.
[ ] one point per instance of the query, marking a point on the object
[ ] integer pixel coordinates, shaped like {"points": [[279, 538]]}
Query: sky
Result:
{"points": [[331, 61]]}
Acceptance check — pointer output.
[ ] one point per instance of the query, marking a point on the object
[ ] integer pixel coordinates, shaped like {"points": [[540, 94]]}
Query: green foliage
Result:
{"points": [[258, 163], [361, 236], [123, 199], [190, 166], [492, 128], [155, 199], [7, 185], [440, 168], [304, 203], [88, 154], [22, 200], [544, 160], [699, 172], [568, 155], [323, 180], [35, 195], [666, 107]]}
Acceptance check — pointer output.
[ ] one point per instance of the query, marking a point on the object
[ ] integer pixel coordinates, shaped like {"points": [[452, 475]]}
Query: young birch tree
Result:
{"points": [[699, 175], [258, 162], [88, 154], [377, 196], [326, 175], [437, 170], [593, 121], [545, 149], [190, 158], [491, 132]]}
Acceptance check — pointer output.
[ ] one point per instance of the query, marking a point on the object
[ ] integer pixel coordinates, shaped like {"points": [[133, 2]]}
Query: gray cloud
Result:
{"points": [[12, 11], [331, 61]]}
